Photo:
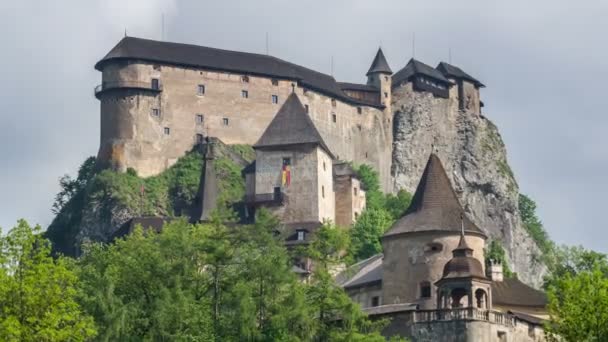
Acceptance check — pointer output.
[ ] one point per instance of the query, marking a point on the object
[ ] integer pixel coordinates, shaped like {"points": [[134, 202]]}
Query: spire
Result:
{"points": [[205, 201], [379, 65], [435, 206], [291, 126]]}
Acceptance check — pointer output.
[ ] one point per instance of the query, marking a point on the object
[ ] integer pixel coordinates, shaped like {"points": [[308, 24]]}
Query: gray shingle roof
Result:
{"points": [[435, 206], [512, 291], [414, 67], [358, 87], [224, 60], [452, 71], [379, 64], [364, 273], [291, 126]]}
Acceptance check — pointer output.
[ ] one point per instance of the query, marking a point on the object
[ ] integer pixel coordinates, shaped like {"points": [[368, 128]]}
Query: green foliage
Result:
{"points": [[170, 193], [380, 213], [496, 253], [37, 292], [245, 151], [367, 231], [527, 210], [578, 306], [570, 261]]}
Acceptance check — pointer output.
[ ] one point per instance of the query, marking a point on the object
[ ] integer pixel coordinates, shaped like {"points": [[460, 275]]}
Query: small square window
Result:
{"points": [[155, 112], [286, 161], [301, 235], [306, 107], [199, 138], [425, 289], [155, 84], [156, 67], [167, 131], [275, 99], [199, 119], [333, 102], [245, 79], [385, 94], [244, 94], [355, 191], [275, 82], [375, 301], [225, 121], [334, 118], [386, 78], [201, 89], [359, 110], [359, 127]]}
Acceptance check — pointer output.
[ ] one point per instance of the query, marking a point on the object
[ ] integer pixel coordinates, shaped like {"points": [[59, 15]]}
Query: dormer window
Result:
{"points": [[301, 234]]}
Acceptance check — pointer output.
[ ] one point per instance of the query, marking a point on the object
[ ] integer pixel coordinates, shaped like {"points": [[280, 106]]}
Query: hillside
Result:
{"points": [[97, 203], [475, 158]]}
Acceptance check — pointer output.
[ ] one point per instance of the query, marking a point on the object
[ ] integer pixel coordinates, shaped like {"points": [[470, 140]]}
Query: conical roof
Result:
{"points": [[205, 201], [379, 64], [291, 126], [435, 206]]}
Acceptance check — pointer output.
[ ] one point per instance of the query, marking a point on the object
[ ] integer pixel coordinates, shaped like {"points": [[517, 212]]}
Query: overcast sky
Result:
{"points": [[545, 66]]}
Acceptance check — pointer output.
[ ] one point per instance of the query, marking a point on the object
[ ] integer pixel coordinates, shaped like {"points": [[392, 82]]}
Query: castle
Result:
{"points": [[160, 99]]}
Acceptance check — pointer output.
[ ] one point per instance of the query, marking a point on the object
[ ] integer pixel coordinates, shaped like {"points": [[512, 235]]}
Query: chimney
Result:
{"points": [[495, 271]]}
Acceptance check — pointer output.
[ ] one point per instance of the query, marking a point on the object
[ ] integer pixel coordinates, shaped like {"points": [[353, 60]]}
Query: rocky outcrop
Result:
{"points": [[475, 158]]}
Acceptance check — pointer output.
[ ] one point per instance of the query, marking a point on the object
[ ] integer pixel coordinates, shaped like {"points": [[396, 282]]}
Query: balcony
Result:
{"points": [[106, 86], [275, 198], [462, 314]]}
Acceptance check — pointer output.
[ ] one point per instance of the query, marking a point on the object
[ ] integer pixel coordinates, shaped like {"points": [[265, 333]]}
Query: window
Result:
{"points": [[434, 247], [355, 191], [323, 166], [386, 78], [199, 119], [245, 79], [359, 110], [306, 107], [225, 121], [199, 138], [167, 131], [301, 234], [356, 215], [334, 118], [333, 102], [323, 191], [155, 84], [156, 67], [244, 94], [385, 94], [275, 82], [155, 112], [359, 127], [275, 99], [201, 89], [375, 301], [286, 161], [425, 289]]}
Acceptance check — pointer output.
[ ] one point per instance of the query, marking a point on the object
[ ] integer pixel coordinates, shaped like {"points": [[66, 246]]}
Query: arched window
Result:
{"points": [[481, 299]]}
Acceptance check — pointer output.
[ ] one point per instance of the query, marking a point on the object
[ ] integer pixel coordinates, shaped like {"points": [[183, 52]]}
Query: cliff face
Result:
{"points": [[475, 158]]}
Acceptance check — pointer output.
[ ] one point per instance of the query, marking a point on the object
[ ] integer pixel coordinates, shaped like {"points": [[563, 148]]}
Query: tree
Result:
{"points": [[572, 261], [367, 232], [527, 210], [70, 187], [37, 292], [495, 252], [374, 198], [578, 306], [397, 205]]}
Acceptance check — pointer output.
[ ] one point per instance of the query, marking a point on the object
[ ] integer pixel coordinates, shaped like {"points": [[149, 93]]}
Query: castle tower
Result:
{"points": [[379, 76], [294, 169], [205, 201], [418, 245], [469, 99], [463, 283]]}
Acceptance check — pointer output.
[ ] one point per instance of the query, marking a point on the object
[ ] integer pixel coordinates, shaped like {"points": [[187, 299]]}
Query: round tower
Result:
{"points": [[379, 75], [420, 244]]}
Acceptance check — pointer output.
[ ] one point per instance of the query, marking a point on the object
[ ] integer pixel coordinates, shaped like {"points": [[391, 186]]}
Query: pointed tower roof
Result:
{"points": [[291, 126], [379, 64], [205, 201], [435, 206]]}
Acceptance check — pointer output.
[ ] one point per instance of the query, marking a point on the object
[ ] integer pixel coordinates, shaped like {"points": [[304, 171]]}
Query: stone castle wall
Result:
{"points": [[422, 263], [132, 137]]}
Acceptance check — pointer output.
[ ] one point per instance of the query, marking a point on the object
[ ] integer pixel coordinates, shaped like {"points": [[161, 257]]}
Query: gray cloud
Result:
{"points": [[543, 62]]}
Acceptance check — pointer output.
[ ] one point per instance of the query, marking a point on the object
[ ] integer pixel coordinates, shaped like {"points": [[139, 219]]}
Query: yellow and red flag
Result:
{"points": [[286, 175]]}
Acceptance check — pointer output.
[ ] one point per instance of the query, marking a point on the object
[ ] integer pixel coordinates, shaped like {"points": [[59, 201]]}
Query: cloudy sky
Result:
{"points": [[545, 65]]}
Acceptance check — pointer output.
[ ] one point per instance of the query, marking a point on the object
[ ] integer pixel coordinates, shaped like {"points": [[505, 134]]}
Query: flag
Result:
{"points": [[286, 175]]}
